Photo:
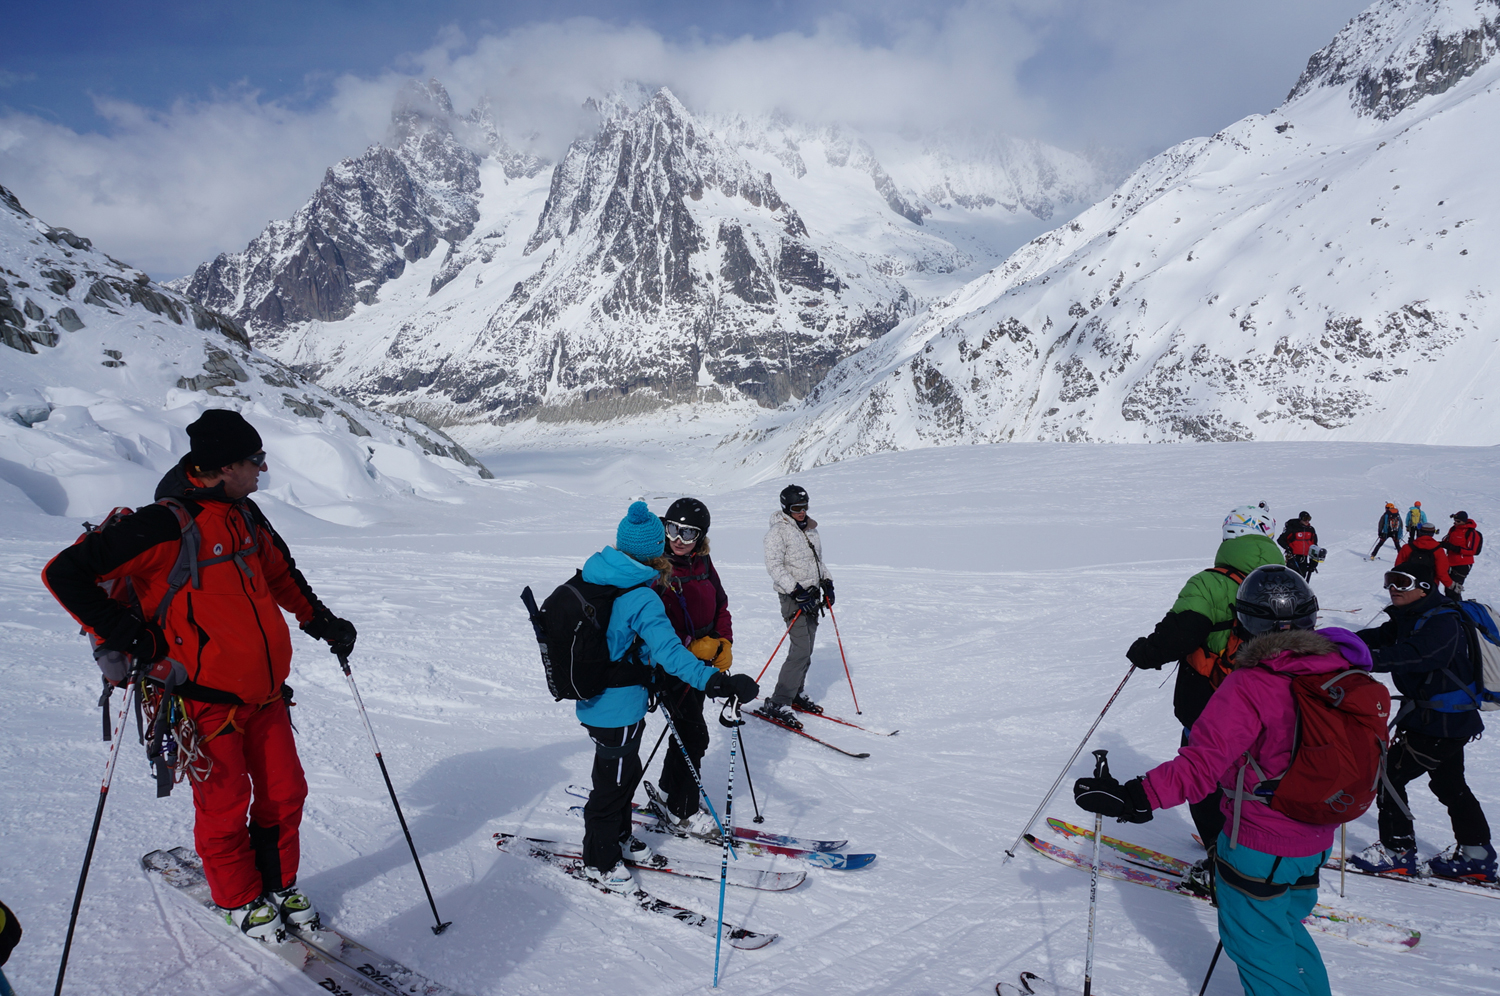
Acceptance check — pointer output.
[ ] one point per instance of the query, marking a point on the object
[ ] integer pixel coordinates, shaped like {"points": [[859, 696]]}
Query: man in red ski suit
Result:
{"points": [[229, 651], [1462, 545]]}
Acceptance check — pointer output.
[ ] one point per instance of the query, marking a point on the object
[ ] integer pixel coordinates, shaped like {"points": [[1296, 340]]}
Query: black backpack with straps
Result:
{"points": [[572, 628]]}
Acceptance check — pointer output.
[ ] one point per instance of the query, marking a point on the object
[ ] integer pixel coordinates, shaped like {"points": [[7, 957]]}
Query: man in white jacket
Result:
{"points": [[794, 559]]}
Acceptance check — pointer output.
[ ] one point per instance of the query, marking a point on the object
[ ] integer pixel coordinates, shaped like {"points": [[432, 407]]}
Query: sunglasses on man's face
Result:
{"points": [[1399, 581], [259, 459], [679, 533]]}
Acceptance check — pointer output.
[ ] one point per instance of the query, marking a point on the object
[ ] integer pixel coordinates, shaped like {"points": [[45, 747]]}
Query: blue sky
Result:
{"points": [[170, 131]]}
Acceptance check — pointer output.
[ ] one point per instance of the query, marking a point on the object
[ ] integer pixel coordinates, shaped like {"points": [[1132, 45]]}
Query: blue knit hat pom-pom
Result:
{"points": [[640, 534]]}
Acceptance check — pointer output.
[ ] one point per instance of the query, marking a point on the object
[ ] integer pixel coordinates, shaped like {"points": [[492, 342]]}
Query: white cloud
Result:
{"points": [[166, 189]]}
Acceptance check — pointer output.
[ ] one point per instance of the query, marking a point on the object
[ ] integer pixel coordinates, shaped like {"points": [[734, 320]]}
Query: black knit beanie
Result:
{"points": [[221, 437]]}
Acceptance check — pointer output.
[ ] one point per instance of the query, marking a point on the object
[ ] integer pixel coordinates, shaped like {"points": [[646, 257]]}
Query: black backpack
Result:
{"points": [[1419, 556], [571, 630]]}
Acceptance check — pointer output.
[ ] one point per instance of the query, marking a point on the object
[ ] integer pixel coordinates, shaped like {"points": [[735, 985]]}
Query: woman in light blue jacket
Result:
{"points": [[616, 717]]}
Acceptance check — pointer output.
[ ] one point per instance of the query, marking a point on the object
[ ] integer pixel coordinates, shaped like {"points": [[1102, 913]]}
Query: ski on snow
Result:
{"points": [[1467, 886], [1029, 984], [740, 833], [1353, 927], [747, 878], [804, 733], [846, 722], [831, 860], [573, 867], [332, 962]]}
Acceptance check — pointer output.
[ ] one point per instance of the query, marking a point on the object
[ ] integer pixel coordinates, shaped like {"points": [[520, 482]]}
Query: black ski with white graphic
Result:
{"points": [[746, 878], [749, 834], [333, 962], [573, 867], [1030, 984], [804, 733]]}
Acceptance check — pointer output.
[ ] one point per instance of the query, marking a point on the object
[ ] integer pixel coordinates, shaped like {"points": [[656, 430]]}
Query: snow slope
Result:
{"points": [[987, 595], [1319, 272], [101, 371]]}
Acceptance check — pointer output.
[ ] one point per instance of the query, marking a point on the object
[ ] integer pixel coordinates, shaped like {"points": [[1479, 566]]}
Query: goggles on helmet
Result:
{"points": [[680, 533], [1399, 581]]}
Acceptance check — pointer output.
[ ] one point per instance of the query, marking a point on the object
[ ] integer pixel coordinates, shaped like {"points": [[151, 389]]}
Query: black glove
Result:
{"points": [[1108, 797], [827, 586], [140, 638], [738, 686], [807, 598], [10, 932], [1140, 655], [339, 633]]}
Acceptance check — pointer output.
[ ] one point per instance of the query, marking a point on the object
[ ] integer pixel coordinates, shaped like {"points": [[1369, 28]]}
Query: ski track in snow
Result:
{"points": [[986, 595]]}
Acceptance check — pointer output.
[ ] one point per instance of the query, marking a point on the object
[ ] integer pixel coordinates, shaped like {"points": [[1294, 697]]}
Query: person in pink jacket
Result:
{"points": [[1266, 862]]}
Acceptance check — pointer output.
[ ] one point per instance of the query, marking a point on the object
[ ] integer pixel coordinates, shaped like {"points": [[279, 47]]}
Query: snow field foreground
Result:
{"points": [[986, 596]]}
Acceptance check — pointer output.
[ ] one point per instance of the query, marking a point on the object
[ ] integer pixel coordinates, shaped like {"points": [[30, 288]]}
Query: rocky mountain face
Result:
{"points": [[101, 367], [666, 258], [1319, 272]]}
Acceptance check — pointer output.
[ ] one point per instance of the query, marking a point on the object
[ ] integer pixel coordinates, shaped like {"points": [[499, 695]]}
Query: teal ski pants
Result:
{"points": [[1263, 899]]}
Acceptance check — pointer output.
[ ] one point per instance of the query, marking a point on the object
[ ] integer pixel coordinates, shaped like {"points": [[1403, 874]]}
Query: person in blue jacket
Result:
{"points": [[616, 717]]}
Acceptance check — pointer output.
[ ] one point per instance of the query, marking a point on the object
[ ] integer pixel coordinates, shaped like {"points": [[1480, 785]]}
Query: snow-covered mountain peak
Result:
{"points": [[1398, 51], [420, 108]]}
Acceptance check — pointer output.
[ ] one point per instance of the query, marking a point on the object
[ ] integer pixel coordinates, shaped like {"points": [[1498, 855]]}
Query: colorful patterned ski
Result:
{"points": [[573, 867], [741, 833], [1359, 929], [747, 878], [1491, 889], [832, 860], [1133, 853]]}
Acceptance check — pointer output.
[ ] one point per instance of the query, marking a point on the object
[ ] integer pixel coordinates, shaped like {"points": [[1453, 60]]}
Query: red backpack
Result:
{"points": [[1338, 754]]}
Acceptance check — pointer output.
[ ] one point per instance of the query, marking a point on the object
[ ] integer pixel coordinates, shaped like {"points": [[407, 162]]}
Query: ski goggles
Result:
{"points": [[679, 533], [259, 459], [1399, 581], [794, 509]]}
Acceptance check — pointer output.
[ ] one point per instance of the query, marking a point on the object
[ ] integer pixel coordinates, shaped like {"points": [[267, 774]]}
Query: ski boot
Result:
{"points": [[637, 851], [1201, 879], [778, 713], [806, 705], [257, 919], [1377, 859], [702, 824], [296, 909], [1461, 861], [617, 880]]}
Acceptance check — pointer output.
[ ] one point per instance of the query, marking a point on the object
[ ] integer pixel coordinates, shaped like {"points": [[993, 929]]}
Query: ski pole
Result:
{"points": [[1343, 833], [732, 707], [439, 925], [1063, 773], [836, 636], [758, 818], [88, 855], [693, 770], [1101, 770], [778, 646], [1211, 965]]}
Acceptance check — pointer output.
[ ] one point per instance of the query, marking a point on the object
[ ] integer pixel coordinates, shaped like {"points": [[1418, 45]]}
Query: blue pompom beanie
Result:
{"points": [[640, 534]]}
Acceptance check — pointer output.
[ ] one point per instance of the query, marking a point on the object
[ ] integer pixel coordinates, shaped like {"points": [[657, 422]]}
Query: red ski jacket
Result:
{"points": [[1423, 544], [1461, 543], [228, 633]]}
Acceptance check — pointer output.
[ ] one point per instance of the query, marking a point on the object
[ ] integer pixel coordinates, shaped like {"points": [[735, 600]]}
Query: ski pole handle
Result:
{"points": [[1101, 764]]}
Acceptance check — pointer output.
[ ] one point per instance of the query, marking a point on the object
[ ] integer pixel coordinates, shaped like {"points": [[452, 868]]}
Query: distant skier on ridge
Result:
{"points": [[1199, 632], [1388, 528], [794, 559]]}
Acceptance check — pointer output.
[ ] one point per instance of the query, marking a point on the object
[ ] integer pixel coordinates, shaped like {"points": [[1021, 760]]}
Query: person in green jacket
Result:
{"points": [[1199, 633]]}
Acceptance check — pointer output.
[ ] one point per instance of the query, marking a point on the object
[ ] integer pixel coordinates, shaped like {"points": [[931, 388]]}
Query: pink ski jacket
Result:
{"points": [[1253, 711]]}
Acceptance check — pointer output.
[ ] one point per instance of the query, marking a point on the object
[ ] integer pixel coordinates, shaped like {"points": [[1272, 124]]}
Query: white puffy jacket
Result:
{"points": [[794, 556]]}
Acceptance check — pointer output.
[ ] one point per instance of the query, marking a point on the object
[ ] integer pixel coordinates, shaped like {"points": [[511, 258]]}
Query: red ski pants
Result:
{"points": [[256, 773]]}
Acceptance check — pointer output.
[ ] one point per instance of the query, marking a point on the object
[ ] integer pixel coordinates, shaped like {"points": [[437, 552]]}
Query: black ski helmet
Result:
{"points": [[689, 512], [1274, 598], [792, 495]]}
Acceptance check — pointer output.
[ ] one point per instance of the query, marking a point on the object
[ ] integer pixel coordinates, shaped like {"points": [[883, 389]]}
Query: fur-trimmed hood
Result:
{"points": [[1304, 651]]}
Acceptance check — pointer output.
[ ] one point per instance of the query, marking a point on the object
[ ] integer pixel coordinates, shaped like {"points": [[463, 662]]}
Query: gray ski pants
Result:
{"points": [[799, 656]]}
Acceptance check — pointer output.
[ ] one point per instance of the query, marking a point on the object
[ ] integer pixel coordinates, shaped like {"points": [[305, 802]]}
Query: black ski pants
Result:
{"points": [[617, 772], [1442, 760], [1459, 573], [1189, 699], [684, 704], [1395, 542]]}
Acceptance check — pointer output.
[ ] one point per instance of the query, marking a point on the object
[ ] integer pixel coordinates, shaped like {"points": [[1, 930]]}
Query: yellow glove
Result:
{"points": [[713, 650]]}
